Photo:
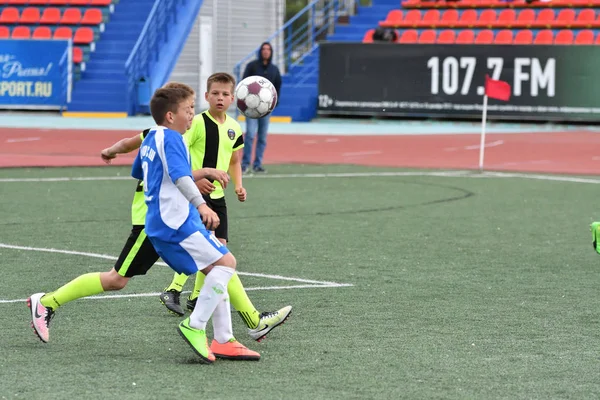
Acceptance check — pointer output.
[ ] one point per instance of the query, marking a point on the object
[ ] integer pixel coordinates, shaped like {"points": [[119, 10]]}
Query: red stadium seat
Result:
{"points": [[38, 2], [465, 37], [584, 37], [485, 36], [565, 18], [468, 19], [506, 19], [468, 4], [16, 2], [564, 36], [412, 18], [368, 38], [411, 4], [505, 36], [30, 15], [21, 32], [10, 15], [449, 18], [585, 19], [597, 39], [77, 55], [525, 19], [83, 35], [545, 36], [79, 2], [562, 3], [42, 32], [63, 32], [581, 3], [431, 19], [486, 3], [51, 16], [71, 16], [446, 36], [92, 16], [4, 32], [101, 3], [524, 36], [58, 2], [393, 19], [427, 36], [409, 36], [545, 18], [486, 19]]}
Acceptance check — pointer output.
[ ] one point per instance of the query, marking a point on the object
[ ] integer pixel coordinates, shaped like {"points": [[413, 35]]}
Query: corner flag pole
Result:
{"points": [[498, 90], [483, 122]]}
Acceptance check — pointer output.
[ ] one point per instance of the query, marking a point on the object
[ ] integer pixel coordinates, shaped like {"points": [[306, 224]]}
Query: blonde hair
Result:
{"points": [[220, 77]]}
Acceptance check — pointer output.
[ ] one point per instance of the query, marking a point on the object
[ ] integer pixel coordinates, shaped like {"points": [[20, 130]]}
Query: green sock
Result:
{"points": [[198, 283], [178, 281], [595, 228], [82, 286], [237, 297]]}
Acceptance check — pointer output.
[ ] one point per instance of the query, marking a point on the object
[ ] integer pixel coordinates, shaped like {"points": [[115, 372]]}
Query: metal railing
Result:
{"points": [[147, 48], [65, 66], [302, 33]]}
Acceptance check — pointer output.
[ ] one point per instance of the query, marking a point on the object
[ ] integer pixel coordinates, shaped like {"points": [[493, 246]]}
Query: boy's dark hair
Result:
{"points": [[220, 77], [179, 85], [165, 100]]}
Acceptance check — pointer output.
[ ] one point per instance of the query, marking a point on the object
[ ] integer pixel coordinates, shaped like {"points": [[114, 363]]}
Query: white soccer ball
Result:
{"points": [[256, 97]]}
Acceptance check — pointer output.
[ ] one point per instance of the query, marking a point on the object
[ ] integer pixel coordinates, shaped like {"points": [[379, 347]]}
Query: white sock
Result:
{"points": [[211, 294], [221, 319]]}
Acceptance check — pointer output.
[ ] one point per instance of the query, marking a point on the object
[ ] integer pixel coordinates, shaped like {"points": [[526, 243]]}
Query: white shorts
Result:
{"points": [[193, 254]]}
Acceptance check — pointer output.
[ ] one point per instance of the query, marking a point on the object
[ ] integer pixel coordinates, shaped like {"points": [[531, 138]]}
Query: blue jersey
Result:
{"points": [[162, 159]]}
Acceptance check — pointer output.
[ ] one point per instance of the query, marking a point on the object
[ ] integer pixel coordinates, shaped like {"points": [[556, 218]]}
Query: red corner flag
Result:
{"points": [[499, 90]]}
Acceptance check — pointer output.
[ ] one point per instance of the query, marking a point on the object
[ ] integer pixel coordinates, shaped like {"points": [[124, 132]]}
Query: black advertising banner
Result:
{"points": [[559, 83]]}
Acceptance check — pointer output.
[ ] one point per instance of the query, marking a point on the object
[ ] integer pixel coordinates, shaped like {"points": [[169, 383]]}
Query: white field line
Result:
{"points": [[266, 176], [476, 146], [19, 140], [456, 174], [309, 283]]}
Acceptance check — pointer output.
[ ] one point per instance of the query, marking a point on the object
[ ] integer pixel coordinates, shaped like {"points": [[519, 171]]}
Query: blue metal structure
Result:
{"points": [[157, 49], [300, 37]]}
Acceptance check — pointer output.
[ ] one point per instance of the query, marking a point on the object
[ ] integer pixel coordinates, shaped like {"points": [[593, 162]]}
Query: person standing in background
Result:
{"points": [[263, 66]]}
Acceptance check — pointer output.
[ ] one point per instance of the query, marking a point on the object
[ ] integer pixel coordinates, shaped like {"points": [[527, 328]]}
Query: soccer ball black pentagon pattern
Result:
{"points": [[256, 97]]}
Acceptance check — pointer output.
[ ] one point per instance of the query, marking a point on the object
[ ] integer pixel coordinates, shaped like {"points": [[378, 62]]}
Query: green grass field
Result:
{"points": [[458, 288]]}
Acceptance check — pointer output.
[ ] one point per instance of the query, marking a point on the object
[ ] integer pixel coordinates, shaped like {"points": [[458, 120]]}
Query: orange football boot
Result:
{"points": [[233, 350]]}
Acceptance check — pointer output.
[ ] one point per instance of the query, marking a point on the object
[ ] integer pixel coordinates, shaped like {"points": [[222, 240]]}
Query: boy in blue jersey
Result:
{"points": [[174, 227], [136, 258], [138, 249], [215, 140]]}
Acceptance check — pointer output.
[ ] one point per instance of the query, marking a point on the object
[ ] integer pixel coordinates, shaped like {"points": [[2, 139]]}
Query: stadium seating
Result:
{"points": [[80, 20], [558, 22], [505, 36], [499, 4], [508, 18]]}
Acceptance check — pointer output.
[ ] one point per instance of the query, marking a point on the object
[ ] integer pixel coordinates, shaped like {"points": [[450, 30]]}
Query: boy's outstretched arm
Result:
{"points": [[123, 146]]}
